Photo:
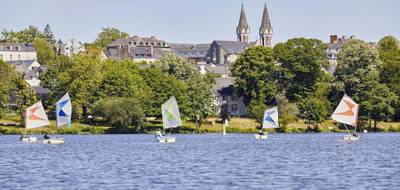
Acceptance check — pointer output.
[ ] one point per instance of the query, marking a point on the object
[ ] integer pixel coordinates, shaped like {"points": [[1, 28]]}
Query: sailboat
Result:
{"points": [[270, 120], [171, 119], [35, 117], [347, 113], [63, 117]]}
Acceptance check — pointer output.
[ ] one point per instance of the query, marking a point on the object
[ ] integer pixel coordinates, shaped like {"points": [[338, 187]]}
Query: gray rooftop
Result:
{"points": [[23, 47], [233, 47]]}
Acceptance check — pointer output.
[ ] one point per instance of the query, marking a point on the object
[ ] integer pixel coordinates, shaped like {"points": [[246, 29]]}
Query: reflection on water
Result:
{"points": [[304, 161]]}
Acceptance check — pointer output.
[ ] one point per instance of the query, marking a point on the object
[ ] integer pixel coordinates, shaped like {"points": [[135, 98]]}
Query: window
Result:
{"points": [[234, 97], [10, 57], [1, 56], [19, 57]]}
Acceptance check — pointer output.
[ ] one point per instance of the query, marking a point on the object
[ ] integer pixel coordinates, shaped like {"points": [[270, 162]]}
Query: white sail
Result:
{"points": [[36, 116], [170, 114], [346, 112], [64, 111], [271, 118]]}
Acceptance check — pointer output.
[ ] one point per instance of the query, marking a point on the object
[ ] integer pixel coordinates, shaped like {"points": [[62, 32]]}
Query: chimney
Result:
{"points": [[334, 39]]}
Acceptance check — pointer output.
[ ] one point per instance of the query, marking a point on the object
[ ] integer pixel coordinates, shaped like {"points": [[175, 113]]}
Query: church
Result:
{"points": [[226, 52]]}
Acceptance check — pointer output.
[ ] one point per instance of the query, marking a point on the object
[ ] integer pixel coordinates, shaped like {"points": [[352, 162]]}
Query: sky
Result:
{"points": [[202, 21]]}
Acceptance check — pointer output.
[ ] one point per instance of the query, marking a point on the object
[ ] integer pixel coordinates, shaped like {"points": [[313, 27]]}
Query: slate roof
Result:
{"points": [[138, 52], [41, 90], [224, 86], [140, 41], [191, 50], [233, 47], [21, 66], [24, 47], [243, 26]]}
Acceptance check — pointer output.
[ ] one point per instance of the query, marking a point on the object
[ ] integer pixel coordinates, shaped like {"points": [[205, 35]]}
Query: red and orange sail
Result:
{"points": [[346, 112]]}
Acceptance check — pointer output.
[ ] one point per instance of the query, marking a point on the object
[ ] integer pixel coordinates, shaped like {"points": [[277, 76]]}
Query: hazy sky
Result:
{"points": [[201, 21]]}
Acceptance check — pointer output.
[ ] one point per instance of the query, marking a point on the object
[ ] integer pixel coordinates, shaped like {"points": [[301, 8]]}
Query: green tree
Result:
{"points": [[176, 66], [123, 79], [162, 86], [200, 96], [256, 110], [302, 61], [389, 54], [27, 35], [45, 52], [119, 112], [48, 35], [12, 84], [313, 111], [357, 68], [108, 35], [288, 112], [256, 74]]}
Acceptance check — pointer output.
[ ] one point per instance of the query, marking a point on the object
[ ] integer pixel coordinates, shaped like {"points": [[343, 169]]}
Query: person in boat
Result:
{"points": [[21, 137], [261, 132], [355, 135], [46, 136], [159, 134]]}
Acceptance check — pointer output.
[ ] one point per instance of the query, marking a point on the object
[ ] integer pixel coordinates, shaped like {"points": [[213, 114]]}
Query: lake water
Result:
{"points": [[284, 161]]}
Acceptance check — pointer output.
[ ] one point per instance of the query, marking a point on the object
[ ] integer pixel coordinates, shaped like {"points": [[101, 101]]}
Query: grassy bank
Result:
{"points": [[236, 125]]}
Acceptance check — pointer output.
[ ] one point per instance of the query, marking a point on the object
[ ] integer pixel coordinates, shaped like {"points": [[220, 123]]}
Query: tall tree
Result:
{"points": [[389, 54], [176, 66], [357, 69], [200, 99], [302, 61], [49, 36], [163, 86], [108, 35], [45, 52], [256, 74]]}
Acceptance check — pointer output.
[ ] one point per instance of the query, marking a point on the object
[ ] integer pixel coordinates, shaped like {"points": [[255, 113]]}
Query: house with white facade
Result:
{"points": [[17, 52]]}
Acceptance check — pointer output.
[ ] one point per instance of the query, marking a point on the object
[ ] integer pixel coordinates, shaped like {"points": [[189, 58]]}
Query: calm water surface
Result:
{"points": [[284, 161]]}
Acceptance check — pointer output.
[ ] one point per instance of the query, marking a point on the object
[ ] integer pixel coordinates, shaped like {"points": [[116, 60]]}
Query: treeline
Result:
{"points": [[294, 76], [119, 92]]}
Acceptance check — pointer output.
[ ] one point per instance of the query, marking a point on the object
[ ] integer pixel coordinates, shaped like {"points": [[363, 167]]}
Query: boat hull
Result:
{"points": [[29, 139], [53, 141], [261, 137], [350, 138], [166, 139]]}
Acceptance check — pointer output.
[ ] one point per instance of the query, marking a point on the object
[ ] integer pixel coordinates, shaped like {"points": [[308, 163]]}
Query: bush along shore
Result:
{"points": [[237, 125]]}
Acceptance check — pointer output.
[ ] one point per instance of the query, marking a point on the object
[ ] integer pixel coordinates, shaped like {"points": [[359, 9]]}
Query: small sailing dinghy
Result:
{"points": [[35, 117], [171, 119], [347, 113], [63, 117], [270, 121]]}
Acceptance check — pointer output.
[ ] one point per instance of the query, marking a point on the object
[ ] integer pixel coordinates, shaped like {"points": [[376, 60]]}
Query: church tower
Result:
{"points": [[243, 29], [266, 29]]}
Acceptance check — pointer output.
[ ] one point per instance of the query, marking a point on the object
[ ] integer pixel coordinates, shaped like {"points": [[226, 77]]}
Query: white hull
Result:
{"points": [[261, 137], [350, 138], [53, 141], [29, 139], [166, 139]]}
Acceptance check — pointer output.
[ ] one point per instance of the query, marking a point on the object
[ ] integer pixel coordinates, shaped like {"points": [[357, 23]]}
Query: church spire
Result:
{"points": [[243, 29], [266, 29]]}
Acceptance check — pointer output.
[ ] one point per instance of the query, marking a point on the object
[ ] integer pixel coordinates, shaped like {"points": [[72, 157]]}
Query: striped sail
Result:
{"points": [[170, 114], [36, 116], [271, 118], [346, 112], [63, 111]]}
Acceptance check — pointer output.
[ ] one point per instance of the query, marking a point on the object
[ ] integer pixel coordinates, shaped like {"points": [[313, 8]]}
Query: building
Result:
{"points": [[71, 47], [194, 53], [225, 92], [138, 49], [30, 70], [226, 52], [17, 52]]}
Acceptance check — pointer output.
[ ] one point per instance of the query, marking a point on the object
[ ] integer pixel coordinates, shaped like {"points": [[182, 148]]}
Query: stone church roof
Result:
{"points": [[243, 26], [266, 27]]}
